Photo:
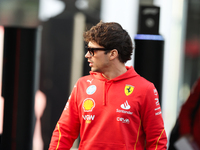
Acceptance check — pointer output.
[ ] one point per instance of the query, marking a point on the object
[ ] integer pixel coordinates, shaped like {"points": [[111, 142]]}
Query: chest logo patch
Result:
{"points": [[88, 104], [128, 89], [125, 105], [91, 89]]}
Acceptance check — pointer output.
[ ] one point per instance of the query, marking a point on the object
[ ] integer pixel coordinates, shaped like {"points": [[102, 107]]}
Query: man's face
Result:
{"points": [[99, 62]]}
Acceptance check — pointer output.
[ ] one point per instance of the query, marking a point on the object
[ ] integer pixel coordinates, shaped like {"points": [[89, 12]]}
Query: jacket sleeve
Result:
{"points": [[152, 121], [187, 108], [68, 127]]}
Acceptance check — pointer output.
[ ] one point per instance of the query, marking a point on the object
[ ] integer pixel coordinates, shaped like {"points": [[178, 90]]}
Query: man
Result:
{"points": [[113, 108]]}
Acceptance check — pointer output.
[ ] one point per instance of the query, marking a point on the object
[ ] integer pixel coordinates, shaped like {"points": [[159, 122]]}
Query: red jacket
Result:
{"points": [[117, 114], [185, 114]]}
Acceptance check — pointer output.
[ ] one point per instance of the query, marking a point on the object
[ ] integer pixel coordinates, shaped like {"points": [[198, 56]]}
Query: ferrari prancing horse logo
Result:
{"points": [[128, 89]]}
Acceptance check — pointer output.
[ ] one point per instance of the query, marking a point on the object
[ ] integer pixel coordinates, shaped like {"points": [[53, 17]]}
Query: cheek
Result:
{"points": [[106, 61], [101, 61]]}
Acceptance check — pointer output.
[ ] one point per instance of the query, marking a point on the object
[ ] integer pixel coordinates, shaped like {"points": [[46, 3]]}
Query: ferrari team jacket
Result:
{"points": [[119, 114]]}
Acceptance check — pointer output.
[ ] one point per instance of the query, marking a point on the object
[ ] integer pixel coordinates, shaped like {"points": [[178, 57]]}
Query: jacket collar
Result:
{"points": [[128, 74]]}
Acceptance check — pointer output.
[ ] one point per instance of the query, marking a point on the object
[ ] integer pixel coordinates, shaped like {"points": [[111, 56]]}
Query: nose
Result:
{"points": [[87, 55]]}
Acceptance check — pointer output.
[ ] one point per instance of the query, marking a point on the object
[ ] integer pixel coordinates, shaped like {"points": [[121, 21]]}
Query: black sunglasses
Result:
{"points": [[91, 50]]}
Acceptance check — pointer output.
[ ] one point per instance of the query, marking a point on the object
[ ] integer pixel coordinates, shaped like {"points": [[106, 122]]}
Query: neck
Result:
{"points": [[115, 71]]}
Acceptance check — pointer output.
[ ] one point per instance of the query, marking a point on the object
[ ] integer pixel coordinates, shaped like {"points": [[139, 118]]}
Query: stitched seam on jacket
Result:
{"points": [[137, 136], [159, 138], [59, 136]]}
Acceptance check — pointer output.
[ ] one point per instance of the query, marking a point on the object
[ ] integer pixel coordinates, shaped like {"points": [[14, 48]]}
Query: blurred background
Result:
{"points": [[42, 56]]}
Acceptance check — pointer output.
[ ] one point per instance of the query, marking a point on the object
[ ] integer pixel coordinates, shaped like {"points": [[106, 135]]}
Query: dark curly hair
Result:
{"points": [[111, 36]]}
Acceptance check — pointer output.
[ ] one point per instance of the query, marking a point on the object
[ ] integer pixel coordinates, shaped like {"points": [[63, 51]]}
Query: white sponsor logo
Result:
{"points": [[90, 81], [125, 105], [157, 108], [158, 113], [123, 120], [124, 112], [155, 92], [157, 101], [88, 118], [91, 89]]}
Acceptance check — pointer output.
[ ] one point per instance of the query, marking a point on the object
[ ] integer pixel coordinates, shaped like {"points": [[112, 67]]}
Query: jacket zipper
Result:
{"points": [[105, 91]]}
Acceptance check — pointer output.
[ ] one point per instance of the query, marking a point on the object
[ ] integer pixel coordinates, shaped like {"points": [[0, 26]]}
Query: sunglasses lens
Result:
{"points": [[91, 51]]}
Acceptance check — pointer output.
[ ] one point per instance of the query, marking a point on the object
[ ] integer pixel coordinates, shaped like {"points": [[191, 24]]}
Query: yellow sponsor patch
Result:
{"points": [[128, 89], [88, 105]]}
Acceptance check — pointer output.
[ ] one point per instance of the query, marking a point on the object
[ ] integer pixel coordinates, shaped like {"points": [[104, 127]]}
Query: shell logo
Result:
{"points": [[88, 104]]}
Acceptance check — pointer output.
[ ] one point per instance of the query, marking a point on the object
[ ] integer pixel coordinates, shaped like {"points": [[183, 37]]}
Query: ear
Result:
{"points": [[113, 54]]}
